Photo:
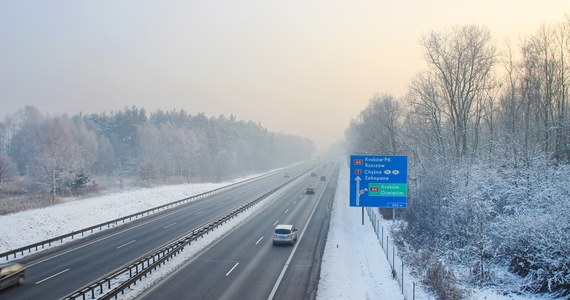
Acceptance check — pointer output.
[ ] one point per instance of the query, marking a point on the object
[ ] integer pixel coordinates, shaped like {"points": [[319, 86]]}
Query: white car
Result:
{"points": [[284, 234]]}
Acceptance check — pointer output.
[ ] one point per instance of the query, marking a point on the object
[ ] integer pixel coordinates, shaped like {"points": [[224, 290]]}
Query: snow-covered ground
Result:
{"points": [[354, 265]]}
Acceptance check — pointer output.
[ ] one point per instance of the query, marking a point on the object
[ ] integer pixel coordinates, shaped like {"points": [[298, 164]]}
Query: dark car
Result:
{"points": [[309, 191], [11, 274], [323, 178], [286, 175], [313, 174]]}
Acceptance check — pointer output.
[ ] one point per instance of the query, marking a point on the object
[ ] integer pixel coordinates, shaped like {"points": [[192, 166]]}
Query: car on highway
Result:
{"points": [[313, 174], [284, 234], [323, 178], [11, 274], [309, 191], [286, 175]]}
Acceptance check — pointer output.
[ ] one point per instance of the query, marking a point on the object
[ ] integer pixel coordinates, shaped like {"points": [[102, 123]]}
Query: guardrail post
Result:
{"points": [[393, 260], [387, 248], [382, 237], [378, 224], [402, 277]]}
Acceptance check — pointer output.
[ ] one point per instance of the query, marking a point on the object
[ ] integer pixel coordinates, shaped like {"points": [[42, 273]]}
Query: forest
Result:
{"points": [[44, 159], [487, 133]]}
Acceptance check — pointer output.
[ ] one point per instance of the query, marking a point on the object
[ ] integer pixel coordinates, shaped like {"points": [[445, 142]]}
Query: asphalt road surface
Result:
{"points": [[245, 264]]}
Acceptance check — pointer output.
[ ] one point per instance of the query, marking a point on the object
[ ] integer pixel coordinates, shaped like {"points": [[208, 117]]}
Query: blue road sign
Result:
{"points": [[378, 181]]}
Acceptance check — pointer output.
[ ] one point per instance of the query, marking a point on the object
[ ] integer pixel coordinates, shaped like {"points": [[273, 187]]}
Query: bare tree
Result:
{"points": [[544, 90], [377, 128], [60, 158], [426, 120], [460, 64]]}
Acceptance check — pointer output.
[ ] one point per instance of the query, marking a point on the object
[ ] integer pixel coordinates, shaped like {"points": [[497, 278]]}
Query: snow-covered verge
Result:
{"points": [[353, 264]]}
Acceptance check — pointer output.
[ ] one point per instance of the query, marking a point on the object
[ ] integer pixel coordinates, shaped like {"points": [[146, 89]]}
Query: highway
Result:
{"points": [[56, 273], [245, 264]]}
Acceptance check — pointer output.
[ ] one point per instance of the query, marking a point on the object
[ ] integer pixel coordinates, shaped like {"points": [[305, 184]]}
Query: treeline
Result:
{"points": [[487, 133], [61, 155]]}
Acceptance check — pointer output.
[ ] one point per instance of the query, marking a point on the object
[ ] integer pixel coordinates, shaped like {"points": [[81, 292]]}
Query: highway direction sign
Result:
{"points": [[378, 181]]}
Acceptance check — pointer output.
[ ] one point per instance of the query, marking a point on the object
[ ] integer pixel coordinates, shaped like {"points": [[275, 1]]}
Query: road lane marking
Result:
{"points": [[200, 212], [261, 238], [169, 225], [295, 202], [123, 245], [221, 203], [52, 276], [275, 223], [287, 211], [228, 273]]}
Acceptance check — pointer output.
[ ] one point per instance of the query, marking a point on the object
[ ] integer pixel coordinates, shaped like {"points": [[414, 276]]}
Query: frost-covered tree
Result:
{"points": [[7, 169], [377, 128], [459, 72]]}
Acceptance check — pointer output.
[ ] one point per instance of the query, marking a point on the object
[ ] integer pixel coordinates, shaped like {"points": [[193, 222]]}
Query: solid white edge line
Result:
{"points": [[261, 238], [52, 276], [126, 244], [282, 274], [228, 273]]}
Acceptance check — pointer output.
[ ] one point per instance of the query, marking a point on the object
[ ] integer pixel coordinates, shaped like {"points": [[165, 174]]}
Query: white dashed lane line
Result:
{"points": [[169, 225], [228, 273], [261, 238], [52, 276], [126, 244]]}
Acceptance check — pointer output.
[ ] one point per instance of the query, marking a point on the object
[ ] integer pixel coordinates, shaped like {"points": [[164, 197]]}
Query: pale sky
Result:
{"points": [[299, 67]]}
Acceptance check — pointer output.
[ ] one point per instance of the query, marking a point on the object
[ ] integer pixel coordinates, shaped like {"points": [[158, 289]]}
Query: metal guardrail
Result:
{"points": [[41, 245], [113, 284]]}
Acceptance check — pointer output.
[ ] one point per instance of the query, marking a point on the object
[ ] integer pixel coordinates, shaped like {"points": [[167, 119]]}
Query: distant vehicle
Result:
{"points": [[284, 234], [309, 191], [11, 274], [286, 175], [323, 178], [313, 174]]}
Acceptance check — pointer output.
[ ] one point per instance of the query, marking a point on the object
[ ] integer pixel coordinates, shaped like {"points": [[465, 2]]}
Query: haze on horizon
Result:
{"points": [[299, 67]]}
